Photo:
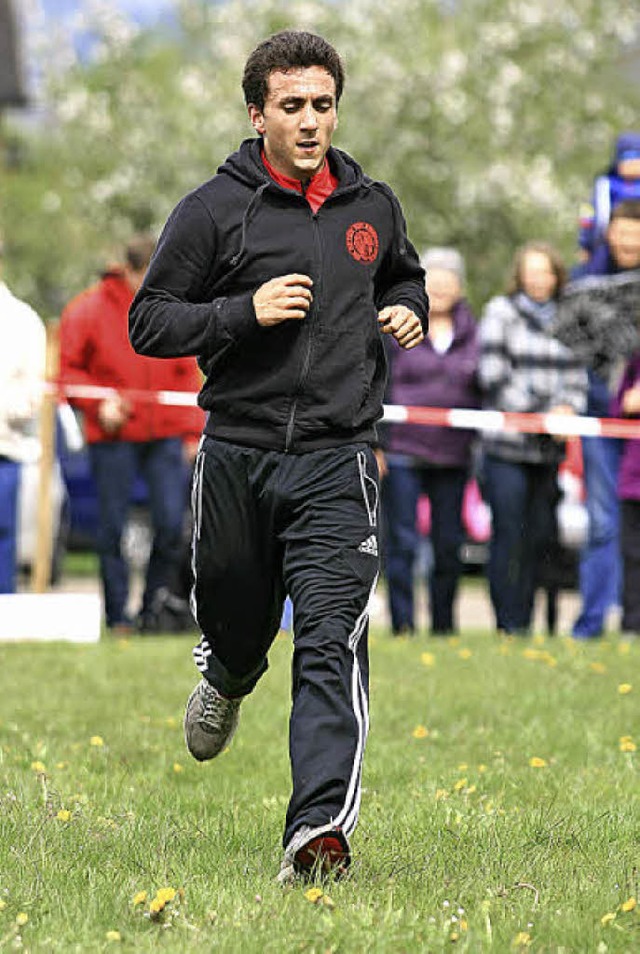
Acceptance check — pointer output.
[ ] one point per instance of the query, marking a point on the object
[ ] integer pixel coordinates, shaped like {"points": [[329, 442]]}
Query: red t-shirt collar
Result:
{"points": [[318, 189]]}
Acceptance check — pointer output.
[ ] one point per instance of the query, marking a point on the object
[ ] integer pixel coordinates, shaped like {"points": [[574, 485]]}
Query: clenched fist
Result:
{"points": [[282, 299], [403, 324]]}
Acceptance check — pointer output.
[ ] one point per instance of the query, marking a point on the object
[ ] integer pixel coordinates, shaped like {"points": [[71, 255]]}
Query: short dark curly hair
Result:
{"points": [[287, 50]]}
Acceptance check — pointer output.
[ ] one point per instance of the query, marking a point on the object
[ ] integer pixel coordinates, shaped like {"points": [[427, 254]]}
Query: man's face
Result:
{"points": [[623, 236], [298, 120], [629, 168]]}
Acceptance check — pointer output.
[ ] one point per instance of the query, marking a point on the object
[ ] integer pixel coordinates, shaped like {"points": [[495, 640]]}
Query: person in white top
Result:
{"points": [[22, 367]]}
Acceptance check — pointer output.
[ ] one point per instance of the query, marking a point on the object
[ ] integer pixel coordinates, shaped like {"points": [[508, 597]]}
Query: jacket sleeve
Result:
{"points": [[76, 351], [171, 315], [504, 389], [573, 389], [401, 278], [21, 394], [629, 380]]}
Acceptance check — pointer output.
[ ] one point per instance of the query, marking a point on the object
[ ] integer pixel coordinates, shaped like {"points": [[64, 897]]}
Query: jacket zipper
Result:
{"points": [[311, 319]]}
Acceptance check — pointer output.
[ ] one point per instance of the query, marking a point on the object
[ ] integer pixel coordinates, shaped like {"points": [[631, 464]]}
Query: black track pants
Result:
{"points": [[267, 524]]}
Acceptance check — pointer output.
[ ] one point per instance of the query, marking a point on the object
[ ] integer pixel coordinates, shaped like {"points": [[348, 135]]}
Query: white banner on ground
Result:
{"points": [[50, 617]]}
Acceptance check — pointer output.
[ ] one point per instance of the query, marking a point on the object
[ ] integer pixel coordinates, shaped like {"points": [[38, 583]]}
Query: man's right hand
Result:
{"points": [[113, 412], [283, 298]]}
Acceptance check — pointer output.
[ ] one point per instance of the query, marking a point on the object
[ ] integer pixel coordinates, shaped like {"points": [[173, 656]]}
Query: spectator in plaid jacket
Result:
{"points": [[524, 368]]}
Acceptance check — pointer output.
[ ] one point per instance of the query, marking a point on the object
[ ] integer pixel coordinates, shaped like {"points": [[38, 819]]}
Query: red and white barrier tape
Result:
{"points": [[496, 422]]}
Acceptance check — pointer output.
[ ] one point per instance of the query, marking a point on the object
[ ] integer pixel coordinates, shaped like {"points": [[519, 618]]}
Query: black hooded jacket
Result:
{"points": [[301, 385]]}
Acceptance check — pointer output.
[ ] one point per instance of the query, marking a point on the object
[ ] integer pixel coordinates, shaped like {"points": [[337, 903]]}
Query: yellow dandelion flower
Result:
{"points": [[22, 919], [536, 762], [454, 936], [625, 688], [465, 653], [113, 936], [140, 897], [464, 924], [441, 794], [64, 815], [522, 939], [607, 918], [628, 905], [463, 767], [460, 784], [427, 659], [177, 767], [313, 895], [166, 894], [550, 660], [39, 767], [420, 732], [96, 741], [62, 765], [627, 744], [598, 667], [170, 721], [482, 768], [471, 789], [156, 906], [624, 649], [530, 653]]}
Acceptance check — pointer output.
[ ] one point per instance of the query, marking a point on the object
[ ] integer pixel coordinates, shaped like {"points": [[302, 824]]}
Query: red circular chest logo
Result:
{"points": [[362, 242]]}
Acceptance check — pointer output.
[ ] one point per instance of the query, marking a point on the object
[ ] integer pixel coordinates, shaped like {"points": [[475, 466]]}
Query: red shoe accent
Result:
{"points": [[324, 854]]}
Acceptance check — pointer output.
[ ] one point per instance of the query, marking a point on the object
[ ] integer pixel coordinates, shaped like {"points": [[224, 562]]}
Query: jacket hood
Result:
{"points": [[626, 141], [246, 166]]}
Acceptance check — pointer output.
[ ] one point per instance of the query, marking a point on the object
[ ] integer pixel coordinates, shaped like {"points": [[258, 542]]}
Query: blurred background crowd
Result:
{"points": [[509, 131]]}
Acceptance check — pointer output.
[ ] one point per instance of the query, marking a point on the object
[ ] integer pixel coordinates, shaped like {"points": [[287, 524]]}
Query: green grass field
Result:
{"points": [[501, 808]]}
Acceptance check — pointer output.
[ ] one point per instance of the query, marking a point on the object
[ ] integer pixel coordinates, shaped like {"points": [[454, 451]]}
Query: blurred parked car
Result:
{"points": [[27, 536], [83, 502]]}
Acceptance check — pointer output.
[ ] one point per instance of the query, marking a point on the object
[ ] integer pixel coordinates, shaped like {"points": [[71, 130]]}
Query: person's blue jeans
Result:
{"points": [[9, 480], [115, 466], [600, 562], [523, 499], [401, 488]]}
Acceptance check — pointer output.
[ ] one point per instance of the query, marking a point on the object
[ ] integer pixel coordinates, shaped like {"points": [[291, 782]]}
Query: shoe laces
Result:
{"points": [[216, 710]]}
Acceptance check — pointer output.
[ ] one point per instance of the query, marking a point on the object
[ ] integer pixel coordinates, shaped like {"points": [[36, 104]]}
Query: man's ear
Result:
{"points": [[257, 118]]}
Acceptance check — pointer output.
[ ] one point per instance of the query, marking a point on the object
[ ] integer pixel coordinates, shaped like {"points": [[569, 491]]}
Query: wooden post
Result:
{"points": [[41, 570]]}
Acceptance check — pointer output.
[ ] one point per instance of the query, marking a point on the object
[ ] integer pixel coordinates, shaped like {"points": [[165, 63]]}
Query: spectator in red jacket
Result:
{"points": [[128, 433]]}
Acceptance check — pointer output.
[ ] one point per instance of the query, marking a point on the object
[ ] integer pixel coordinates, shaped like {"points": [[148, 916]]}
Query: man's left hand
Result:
{"points": [[403, 324]]}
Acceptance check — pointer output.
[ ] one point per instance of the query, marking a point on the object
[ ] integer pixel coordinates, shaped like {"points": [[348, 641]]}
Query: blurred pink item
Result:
{"points": [[476, 516]]}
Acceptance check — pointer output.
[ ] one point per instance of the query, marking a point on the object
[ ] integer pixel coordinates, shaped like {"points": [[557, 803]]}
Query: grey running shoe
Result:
{"points": [[210, 721], [315, 852]]}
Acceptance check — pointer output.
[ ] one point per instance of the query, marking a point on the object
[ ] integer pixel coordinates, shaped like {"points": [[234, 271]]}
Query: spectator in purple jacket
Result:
{"points": [[440, 372], [627, 404]]}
